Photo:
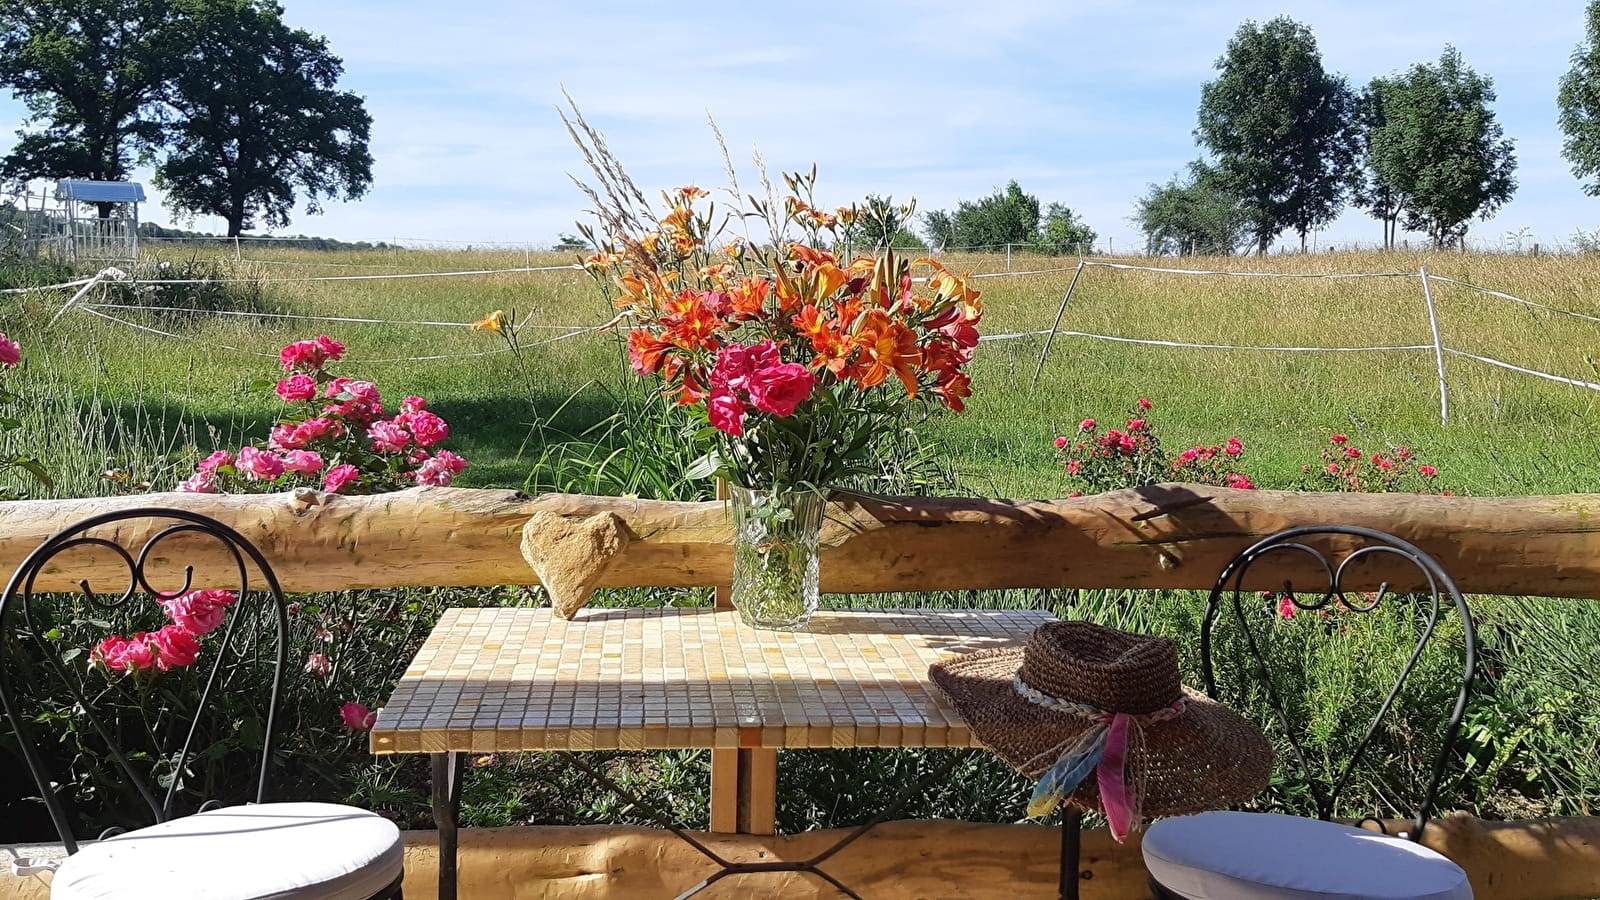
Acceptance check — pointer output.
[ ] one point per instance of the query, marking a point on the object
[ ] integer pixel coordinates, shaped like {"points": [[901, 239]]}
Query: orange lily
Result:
{"points": [[888, 346]]}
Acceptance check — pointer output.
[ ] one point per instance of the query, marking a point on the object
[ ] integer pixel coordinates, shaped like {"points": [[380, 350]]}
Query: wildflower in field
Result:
{"points": [[495, 321], [1339, 439], [1143, 403], [1428, 471], [10, 352], [357, 716], [483, 762]]}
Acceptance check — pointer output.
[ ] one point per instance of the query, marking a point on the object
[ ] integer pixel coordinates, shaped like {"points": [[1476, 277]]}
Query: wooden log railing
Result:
{"points": [[1164, 536]]}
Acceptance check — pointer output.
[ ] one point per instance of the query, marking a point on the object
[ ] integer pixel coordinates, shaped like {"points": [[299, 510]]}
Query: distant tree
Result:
{"points": [[1278, 126], [1061, 233], [1579, 102], [1370, 192], [1005, 217], [91, 74], [1437, 150], [940, 227], [1194, 216], [570, 242], [258, 119]]}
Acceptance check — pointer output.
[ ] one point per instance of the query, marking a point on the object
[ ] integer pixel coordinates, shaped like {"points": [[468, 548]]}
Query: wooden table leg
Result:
{"points": [[447, 772], [744, 791]]}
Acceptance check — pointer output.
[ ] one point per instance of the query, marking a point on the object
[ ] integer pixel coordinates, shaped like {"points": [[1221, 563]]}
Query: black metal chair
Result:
{"points": [[193, 849], [1249, 855]]}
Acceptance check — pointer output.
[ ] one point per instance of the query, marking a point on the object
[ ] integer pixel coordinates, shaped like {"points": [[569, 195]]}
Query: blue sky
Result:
{"points": [[1084, 103]]}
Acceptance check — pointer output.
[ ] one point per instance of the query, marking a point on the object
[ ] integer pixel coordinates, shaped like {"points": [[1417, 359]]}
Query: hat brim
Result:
{"points": [[1209, 757]]}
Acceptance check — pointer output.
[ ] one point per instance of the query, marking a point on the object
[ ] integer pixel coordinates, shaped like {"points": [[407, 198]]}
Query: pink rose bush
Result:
{"points": [[336, 436], [1108, 459], [174, 646], [1342, 466]]}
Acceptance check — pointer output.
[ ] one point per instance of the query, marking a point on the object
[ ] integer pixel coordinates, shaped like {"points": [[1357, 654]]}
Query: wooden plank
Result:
{"points": [[1163, 536], [758, 791], [725, 791]]}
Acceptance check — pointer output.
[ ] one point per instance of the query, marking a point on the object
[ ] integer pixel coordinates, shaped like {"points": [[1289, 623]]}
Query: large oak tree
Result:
{"points": [[92, 74], [1278, 127], [259, 120]]}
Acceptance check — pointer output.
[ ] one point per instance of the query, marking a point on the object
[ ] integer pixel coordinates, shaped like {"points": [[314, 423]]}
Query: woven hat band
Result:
{"points": [[1110, 670]]}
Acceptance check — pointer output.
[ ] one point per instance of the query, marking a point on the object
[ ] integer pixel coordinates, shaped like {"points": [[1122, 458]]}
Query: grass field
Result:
{"points": [[1508, 434]]}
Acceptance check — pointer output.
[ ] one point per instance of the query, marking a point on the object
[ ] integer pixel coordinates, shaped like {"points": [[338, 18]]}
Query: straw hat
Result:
{"points": [[1083, 707]]}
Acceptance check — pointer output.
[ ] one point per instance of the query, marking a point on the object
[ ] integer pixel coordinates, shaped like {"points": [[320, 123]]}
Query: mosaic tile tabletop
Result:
{"points": [[520, 679]]}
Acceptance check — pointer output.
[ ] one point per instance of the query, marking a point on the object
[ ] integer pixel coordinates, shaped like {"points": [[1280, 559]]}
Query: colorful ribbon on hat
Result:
{"points": [[1102, 749]]}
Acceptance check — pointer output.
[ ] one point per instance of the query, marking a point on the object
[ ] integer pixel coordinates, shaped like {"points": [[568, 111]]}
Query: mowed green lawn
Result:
{"points": [[97, 395]]}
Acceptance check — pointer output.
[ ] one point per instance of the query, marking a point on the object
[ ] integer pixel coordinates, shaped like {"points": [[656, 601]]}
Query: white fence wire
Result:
{"points": [[84, 286]]}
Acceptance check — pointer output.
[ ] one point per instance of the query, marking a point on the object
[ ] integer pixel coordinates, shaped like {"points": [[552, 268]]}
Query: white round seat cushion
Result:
{"points": [[1257, 856], [319, 851]]}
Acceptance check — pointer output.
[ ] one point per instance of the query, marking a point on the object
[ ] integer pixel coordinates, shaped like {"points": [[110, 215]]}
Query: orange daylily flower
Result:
{"points": [[691, 324], [888, 346], [646, 352], [689, 193], [494, 321], [826, 279], [750, 297]]}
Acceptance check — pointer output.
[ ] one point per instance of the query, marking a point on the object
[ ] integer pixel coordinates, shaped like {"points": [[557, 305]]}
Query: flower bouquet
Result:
{"points": [[792, 361]]}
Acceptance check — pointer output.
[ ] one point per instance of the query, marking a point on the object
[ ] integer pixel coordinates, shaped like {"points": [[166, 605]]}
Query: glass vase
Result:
{"points": [[775, 547]]}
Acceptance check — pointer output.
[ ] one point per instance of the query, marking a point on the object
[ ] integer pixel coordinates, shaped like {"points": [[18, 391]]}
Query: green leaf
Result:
{"points": [[704, 467]]}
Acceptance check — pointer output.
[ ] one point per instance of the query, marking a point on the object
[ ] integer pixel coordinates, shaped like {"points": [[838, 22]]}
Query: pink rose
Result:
{"points": [[1429, 471], [440, 470], [779, 389], [1338, 439], [726, 413], [413, 405], [387, 437], [339, 477], [736, 363], [310, 355], [428, 428], [302, 462], [259, 465], [199, 612], [111, 653], [296, 388], [214, 462], [136, 653], [10, 352], [366, 392], [357, 717], [285, 437], [198, 483], [1086, 425], [1060, 442], [318, 665], [335, 387], [317, 429], [1143, 403], [174, 647]]}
